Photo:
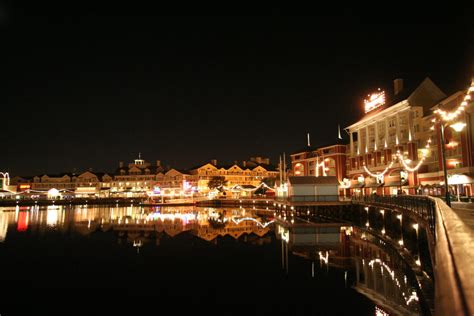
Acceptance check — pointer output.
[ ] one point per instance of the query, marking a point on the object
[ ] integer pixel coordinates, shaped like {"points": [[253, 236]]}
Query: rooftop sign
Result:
{"points": [[374, 101]]}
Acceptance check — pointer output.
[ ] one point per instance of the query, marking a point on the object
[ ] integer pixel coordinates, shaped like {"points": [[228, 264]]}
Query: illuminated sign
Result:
{"points": [[374, 101], [25, 186]]}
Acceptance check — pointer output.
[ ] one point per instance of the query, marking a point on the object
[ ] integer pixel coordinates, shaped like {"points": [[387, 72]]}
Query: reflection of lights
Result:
{"points": [[380, 312], [415, 226], [347, 230], [399, 216], [400, 242], [382, 212], [413, 297], [324, 258], [418, 262], [52, 215], [238, 221]]}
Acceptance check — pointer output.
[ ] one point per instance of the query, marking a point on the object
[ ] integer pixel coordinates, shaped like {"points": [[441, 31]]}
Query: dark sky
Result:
{"points": [[86, 87]]}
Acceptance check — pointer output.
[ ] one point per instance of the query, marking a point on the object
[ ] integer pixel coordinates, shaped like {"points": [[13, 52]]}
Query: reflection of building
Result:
{"points": [[136, 225], [378, 273], [381, 277], [231, 228]]}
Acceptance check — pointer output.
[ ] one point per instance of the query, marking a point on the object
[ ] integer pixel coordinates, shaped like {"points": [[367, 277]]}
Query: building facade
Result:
{"points": [[396, 146]]}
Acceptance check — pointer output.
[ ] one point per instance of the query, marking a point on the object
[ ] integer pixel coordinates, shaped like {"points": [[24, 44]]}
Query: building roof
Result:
{"points": [[426, 94], [335, 142], [330, 180], [153, 170]]}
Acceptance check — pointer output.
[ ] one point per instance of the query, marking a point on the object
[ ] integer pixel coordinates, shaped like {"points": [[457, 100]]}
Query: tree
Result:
{"points": [[217, 182]]}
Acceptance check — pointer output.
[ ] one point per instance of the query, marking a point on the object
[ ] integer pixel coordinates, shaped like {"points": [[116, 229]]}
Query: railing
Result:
{"points": [[422, 206]]}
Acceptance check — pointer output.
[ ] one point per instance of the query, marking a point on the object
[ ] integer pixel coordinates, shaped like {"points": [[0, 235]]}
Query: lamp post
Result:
{"points": [[458, 127], [445, 170]]}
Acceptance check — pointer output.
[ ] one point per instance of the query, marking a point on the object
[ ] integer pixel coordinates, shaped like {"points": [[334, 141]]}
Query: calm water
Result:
{"points": [[65, 260]]}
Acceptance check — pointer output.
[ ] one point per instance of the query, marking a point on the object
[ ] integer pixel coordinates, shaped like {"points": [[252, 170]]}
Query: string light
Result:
{"points": [[381, 174], [445, 116]]}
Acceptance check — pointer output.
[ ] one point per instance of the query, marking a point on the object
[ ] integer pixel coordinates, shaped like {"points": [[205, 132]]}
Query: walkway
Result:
{"points": [[465, 211]]}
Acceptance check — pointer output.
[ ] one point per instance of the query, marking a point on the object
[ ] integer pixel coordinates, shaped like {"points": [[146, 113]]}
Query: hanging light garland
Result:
{"points": [[445, 116], [380, 174]]}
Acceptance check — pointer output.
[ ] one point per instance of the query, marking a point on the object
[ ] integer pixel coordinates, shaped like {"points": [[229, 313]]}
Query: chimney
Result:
{"points": [[244, 163], [258, 159], [121, 164], [397, 86], [158, 163], [214, 162]]}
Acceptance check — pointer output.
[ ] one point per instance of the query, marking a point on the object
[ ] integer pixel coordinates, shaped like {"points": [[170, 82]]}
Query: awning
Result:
{"points": [[459, 179]]}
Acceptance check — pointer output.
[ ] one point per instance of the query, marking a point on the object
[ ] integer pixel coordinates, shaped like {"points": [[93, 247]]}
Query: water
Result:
{"points": [[135, 260]]}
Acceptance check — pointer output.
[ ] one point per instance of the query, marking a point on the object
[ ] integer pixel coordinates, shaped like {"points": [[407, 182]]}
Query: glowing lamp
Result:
{"points": [[458, 126]]}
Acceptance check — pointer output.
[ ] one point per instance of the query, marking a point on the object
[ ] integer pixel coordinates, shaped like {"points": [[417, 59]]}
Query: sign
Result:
{"points": [[24, 187], [374, 101]]}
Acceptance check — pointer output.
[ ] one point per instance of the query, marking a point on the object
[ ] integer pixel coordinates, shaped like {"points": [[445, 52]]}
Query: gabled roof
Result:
{"points": [[426, 94], [330, 180]]}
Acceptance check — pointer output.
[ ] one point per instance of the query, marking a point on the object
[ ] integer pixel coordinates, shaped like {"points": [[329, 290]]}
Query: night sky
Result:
{"points": [[86, 87]]}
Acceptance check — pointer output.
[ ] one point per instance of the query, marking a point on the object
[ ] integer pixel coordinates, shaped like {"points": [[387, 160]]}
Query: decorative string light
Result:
{"points": [[448, 116], [380, 174], [318, 165], [445, 116]]}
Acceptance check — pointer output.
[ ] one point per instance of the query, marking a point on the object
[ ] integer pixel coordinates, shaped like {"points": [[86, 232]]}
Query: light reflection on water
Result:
{"points": [[335, 255]]}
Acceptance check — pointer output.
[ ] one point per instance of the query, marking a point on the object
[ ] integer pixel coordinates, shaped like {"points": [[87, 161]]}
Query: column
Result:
{"points": [[386, 134], [367, 140], [376, 145], [352, 143], [358, 142], [398, 128]]}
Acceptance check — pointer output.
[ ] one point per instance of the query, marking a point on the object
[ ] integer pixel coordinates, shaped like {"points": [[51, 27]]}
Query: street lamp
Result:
{"points": [[458, 127]]}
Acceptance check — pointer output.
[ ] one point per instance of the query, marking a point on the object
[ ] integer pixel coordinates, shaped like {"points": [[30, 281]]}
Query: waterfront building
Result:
{"points": [[133, 180], [90, 184], [176, 182], [234, 174], [458, 150], [327, 160], [394, 147], [310, 188], [63, 181]]}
